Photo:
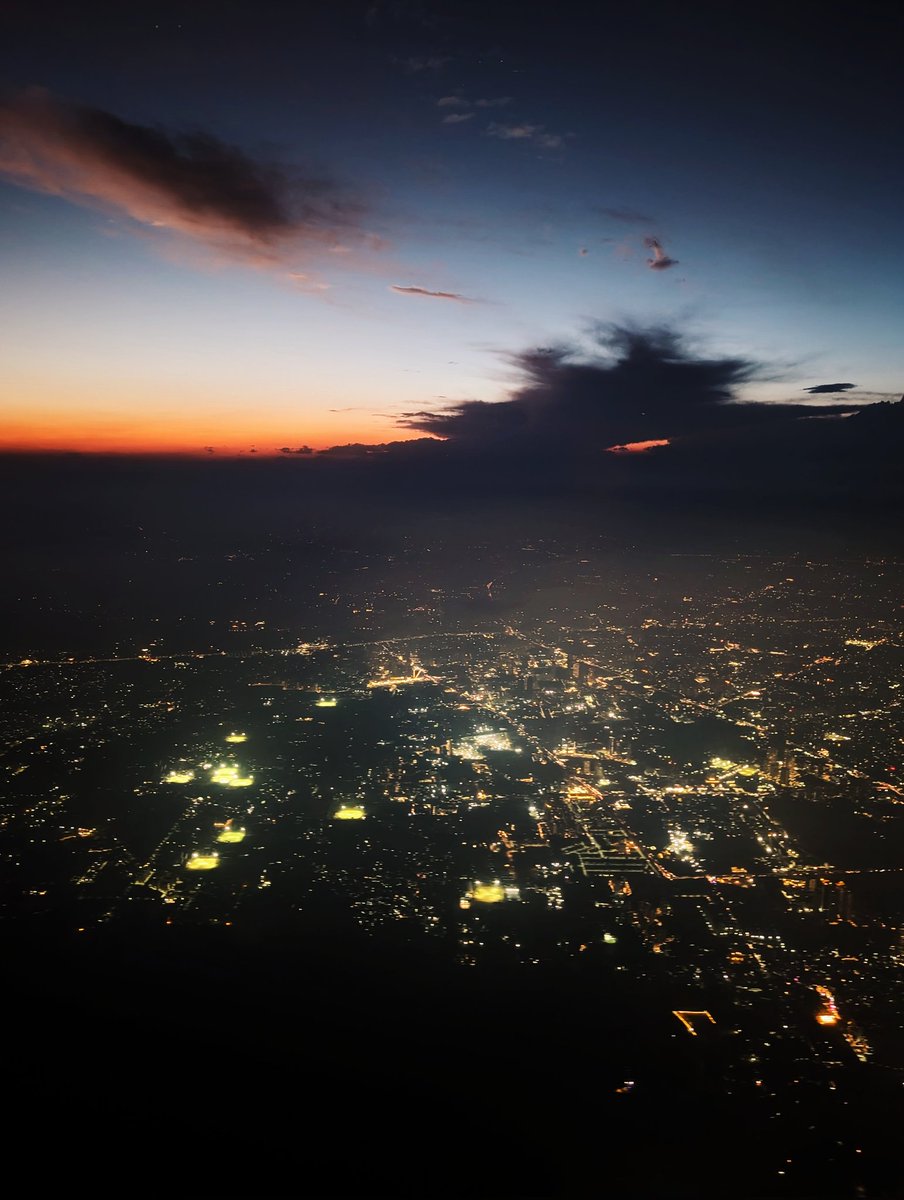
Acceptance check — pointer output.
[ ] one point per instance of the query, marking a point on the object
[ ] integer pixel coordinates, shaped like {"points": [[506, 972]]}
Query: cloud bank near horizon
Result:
{"points": [[637, 385]]}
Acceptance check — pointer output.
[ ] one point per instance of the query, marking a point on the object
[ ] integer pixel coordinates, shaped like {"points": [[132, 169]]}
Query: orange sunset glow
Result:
{"points": [[638, 447], [189, 434]]}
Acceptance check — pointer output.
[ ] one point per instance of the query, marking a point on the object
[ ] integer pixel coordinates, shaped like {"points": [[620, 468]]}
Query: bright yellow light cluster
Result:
{"points": [[203, 862], [231, 836], [236, 737], [179, 777], [326, 702], [349, 812], [229, 776], [487, 893]]}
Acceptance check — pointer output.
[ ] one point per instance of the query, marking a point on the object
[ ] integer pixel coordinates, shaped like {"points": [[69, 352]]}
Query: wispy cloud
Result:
{"points": [[457, 118], [526, 132], [419, 291], [464, 102], [660, 261], [305, 283], [189, 184]]}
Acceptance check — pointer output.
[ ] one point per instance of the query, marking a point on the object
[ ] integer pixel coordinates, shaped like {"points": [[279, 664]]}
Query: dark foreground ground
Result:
{"points": [[197, 1064]]}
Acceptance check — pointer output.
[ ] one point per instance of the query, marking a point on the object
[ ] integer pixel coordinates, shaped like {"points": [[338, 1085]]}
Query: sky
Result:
{"points": [[242, 228]]}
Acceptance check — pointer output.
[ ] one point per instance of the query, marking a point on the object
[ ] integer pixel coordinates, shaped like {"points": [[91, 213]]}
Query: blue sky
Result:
{"points": [[760, 157]]}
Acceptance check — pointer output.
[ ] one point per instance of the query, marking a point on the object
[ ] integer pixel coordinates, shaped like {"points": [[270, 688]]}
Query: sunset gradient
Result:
{"points": [[368, 233]]}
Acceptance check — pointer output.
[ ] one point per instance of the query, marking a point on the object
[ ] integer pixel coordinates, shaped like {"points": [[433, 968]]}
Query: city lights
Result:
{"points": [[178, 776], [350, 812], [199, 861]]}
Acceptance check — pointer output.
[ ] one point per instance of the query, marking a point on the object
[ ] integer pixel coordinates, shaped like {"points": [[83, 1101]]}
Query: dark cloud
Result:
{"points": [[358, 450], [826, 389], [299, 450], [638, 385], [419, 291], [191, 184], [629, 215], [660, 260], [646, 418]]}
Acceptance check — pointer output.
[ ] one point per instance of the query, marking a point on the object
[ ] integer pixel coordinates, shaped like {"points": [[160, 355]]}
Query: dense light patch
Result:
{"points": [[350, 812], [179, 777], [231, 837], [488, 893], [229, 776], [203, 862], [828, 1012]]}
